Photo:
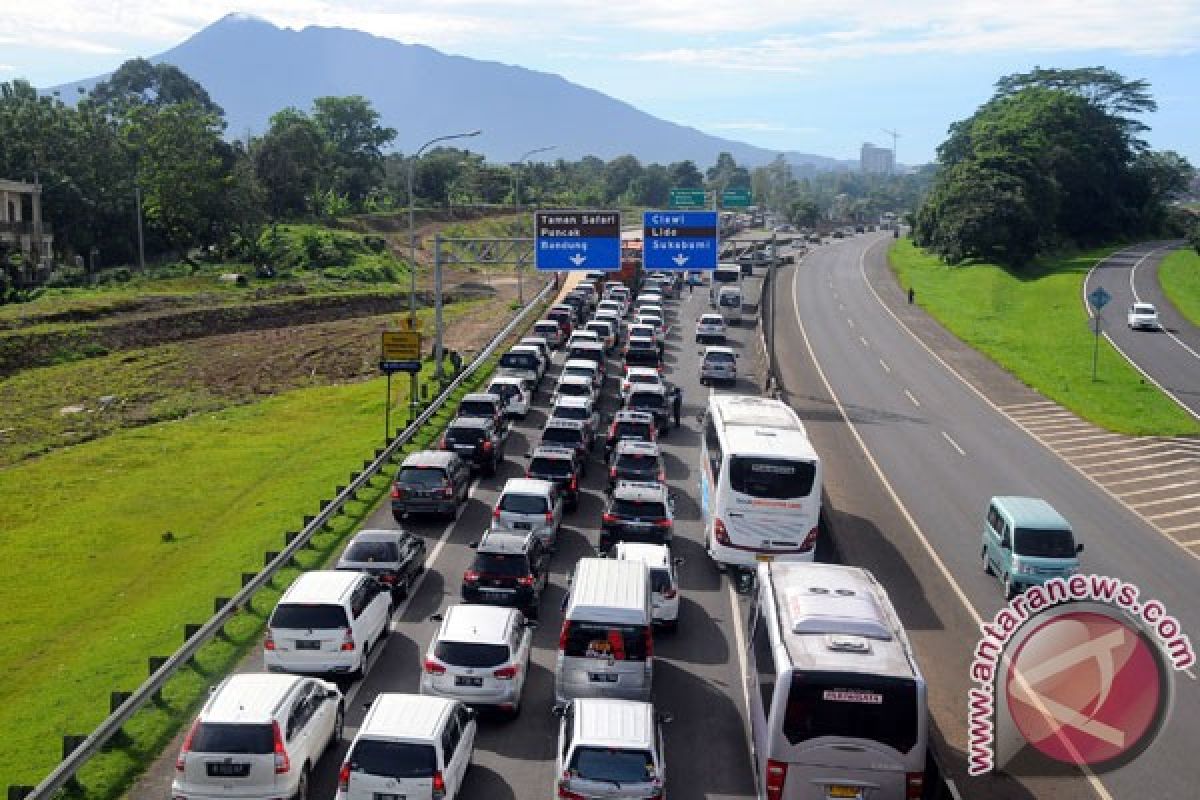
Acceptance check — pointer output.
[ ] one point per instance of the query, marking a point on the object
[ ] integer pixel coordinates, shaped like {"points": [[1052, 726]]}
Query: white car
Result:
{"points": [[575, 386], [664, 583], [606, 746], [655, 321], [531, 506], [1143, 316], [611, 305], [719, 365], [710, 328], [479, 656], [639, 375], [515, 394], [585, 367], [582, 335], [549, 330]]}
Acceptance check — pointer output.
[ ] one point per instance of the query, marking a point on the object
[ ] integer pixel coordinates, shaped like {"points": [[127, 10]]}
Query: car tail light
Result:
{"points": [[447, 491], [776, 777], [344, 778], [574, 484], [648, 637], [562, 636], [187, 746], [471, 576], [662, 523], [505, 673], [496, 512], [549, 516], [442, 443], [527, 475], [269, 642], [914, 785], [397, 492], [487, 446], [662, 476], [348, 640], [721, 534], [439, 786], [612, 472], [525, 581], [566, 794], [434, 668], [608, 519], [282, 762], [810, 541], [386, 577]]}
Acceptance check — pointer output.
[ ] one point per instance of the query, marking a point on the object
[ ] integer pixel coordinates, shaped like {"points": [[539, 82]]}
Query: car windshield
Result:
{"points": [[471, 654], [1048, 543], [304, 616], [573, 389], [1143, 309], [372, 551], [565, 436], [579, 372], [590, 353], [393, 759], [729, 299], [523, 503], [641, 509], [611, 765], [558, 467], [422, 477], [598, 640], [241, 739], [712, 321], [505, 391], [771, 478], [504, 565], [644, 331], [660, 580], [642, 357]]}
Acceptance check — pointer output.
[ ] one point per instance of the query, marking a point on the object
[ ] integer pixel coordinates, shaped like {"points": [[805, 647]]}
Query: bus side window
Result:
{"points": [[764, 663]]}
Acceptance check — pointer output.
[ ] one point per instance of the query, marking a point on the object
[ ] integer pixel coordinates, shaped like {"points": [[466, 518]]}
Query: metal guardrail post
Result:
{"points": [[162, 669]]}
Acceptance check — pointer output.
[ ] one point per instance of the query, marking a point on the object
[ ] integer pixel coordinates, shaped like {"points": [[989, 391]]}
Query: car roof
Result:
{"points": [[712, 318], [429, 458], [573, 400], [504, 542], [647, 388], [583, 380], [249, 697], [487, 397], [642, 341], [321, 585], [476, 623], [546, 323], [652, 555], [559, 422], [605, 722], [528, 485], [470, 422], [648, 372], [411, 717], [554, 451], [718, 349], [638, 446], [1031, 512], [580, 362], [640, 490], [507, 380]]}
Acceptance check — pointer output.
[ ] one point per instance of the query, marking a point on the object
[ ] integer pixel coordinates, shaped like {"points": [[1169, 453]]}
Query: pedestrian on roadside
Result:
{"points": [[677, 404], [911, 295], [691, 286]]}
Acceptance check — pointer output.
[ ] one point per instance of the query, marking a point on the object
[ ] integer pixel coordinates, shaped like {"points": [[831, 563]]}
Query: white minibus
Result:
{"points": [[723, 275], [837, 702], [760, 482]]}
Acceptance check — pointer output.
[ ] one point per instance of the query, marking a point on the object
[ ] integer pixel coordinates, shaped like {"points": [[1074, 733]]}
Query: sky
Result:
{"points": [[816, 77]]}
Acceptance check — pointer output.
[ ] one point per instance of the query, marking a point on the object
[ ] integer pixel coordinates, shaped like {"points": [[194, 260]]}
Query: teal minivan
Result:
{"points": [[1026, 543]]}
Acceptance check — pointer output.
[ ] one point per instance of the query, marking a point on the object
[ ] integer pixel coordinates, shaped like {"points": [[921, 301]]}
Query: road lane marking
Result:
{"points": [[883, 364], [953, 443], [912, 397], [863, 339], [1193, 542], [1145, 467], [1180, 513], [1161, 488], [1034, 404], [1055, 425], [1067, 437], [1173, 499], [1149, 451], [1107, 445], [850, 322]]}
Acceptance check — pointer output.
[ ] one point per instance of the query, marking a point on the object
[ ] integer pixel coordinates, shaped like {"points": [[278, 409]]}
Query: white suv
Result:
{"points": [[480, 656], [327, 621], [664, 583], [258, 736], [530, 505], [605, 743]]}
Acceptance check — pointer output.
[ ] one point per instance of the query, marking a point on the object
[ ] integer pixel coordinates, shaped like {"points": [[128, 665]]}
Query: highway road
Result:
{"points": [[1170, 357], [913, 454]]}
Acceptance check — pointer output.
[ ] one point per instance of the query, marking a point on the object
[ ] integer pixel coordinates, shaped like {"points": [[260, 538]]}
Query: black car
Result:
{"points": [[561, 466], [477, 441], [637, 511], [509, 569], [395, 558], [630, 425], [635, 461]]}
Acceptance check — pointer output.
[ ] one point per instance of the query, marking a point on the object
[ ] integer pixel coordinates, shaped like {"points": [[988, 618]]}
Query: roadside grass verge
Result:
{"points": [[1034, 325], [1179, 276]]}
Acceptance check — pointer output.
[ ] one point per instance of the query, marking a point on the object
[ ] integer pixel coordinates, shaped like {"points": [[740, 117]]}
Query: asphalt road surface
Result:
{"points": [[1171, 356], [898, 412]]}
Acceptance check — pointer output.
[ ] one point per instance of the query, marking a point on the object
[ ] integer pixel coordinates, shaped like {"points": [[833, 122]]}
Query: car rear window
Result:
{"points": [[523, 503], [599, 640], [422, 477], [304, 616], [464, 435], [503, 390], [575, 389], [852, 706], [612, 765], [660, 580], [476, 408], [771, 478], [719, 358], [393, 759], [506, 565], [558, 467], [563, 436], [217, 737], [646, 400], [519, 361], [471, 654], [579, 372], [646, 509], [590, 353], [372, 551], [633, 430], [636, 461], [571, 412]]}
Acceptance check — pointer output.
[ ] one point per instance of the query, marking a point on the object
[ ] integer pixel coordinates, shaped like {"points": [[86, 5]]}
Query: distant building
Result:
{"points": [[877, 160], [21, 228]]}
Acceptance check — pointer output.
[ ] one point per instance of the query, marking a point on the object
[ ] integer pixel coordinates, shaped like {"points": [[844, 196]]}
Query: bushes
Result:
{"points": [[338, 255]]}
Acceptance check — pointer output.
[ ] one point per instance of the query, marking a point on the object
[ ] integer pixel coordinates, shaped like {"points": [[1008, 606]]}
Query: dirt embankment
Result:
{"points": [[23, 349]]}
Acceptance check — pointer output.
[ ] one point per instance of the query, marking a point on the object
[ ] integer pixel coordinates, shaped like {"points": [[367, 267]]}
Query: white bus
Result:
{"points": [[723, 275], [760, 482], [837, 703]]}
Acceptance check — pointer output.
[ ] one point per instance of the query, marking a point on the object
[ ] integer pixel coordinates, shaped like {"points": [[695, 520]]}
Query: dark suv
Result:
{"points": [[571, 433], [561, 466], [510, 569], [477, 441], [637, 511], [430, 482]]}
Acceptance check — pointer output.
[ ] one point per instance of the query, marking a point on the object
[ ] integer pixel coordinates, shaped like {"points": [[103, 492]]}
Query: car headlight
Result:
{"points": [[1022, 569]]}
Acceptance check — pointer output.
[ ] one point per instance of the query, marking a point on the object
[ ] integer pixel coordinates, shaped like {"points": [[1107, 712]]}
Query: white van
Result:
{"points": [[606, 647], [723, 275], [837, 701], [729, 303], [760, 482]]}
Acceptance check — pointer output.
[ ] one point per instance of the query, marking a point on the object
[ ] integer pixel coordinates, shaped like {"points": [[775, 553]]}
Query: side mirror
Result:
{"points": [[1079, 547], [559, 710]]}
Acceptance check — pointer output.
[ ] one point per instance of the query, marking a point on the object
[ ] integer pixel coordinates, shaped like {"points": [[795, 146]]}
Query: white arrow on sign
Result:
{"points": [[680, 260], [578, 259]]}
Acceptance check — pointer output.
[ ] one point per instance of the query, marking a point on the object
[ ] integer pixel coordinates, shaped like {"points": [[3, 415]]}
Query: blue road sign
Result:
{"points": [[674, 240], [1099, 298], [577, 240]]}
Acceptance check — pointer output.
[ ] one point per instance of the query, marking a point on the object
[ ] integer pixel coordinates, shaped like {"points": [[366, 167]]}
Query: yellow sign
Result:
{"points": [[410, 323], [401, 346]]}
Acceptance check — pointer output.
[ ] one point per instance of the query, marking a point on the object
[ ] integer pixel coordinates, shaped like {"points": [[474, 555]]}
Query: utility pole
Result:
{"points": [[895, 136], [137, 194], [517, 211]]}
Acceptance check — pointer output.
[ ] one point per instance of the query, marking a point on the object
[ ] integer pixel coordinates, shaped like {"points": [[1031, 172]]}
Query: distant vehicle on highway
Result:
{"points": [[1026, 543], [1143, 316], [710, 328]]}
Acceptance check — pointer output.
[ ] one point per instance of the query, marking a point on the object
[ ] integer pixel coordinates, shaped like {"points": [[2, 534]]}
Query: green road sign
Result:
{"points": [[688, 198], [735, 198]]}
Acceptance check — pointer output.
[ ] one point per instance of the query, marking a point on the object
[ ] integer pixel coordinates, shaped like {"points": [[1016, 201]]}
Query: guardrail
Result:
{"points": [[82, 751]]}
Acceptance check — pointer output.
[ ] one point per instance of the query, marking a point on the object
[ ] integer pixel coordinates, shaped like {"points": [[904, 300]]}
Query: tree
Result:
{"points": [[619, 174], [651, 188], [726, 173], [355, 139], [138, 82], [289, 161], [1101, 87], [804, 212], [685, 175]]}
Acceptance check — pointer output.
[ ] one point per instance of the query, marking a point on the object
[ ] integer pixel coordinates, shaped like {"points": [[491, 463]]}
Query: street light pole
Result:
{"points": [[517, 210], [412, 250]]}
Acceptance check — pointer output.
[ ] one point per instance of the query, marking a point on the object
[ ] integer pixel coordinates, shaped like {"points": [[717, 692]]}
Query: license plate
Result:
{"points": [[602, 677], [852, 792], [221, 769], [307, 644], [765, 557], [522, 526], [462, 680], [379, 796], [496, 591]]}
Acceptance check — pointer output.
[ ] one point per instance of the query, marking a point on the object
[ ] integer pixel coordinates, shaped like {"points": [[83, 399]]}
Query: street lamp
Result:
{"points": [[517, 208], [412, 254]]}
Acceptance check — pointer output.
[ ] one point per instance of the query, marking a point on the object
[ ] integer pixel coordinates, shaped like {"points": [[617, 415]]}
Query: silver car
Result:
{"points": [[719, 365], [529, 505], [480, 656]]}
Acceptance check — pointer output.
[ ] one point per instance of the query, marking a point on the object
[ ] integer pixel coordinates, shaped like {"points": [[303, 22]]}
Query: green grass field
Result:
{"points": [[1034, 325], [1179, 275]]}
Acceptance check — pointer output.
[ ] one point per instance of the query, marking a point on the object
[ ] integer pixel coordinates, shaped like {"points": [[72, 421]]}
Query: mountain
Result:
{"points": [[252, 69]]}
